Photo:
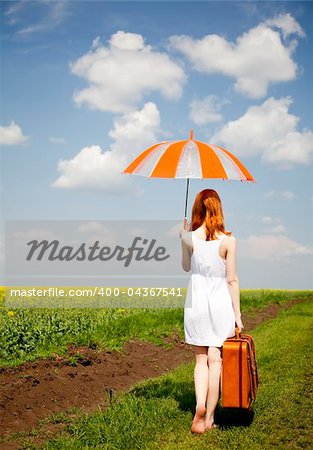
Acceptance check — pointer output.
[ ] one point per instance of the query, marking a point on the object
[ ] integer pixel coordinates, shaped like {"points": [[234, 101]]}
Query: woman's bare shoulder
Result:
{"points": [[230, 240], [231, 237]]}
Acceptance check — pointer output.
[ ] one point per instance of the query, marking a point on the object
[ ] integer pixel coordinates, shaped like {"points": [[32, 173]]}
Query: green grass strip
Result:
{"points": [[157, 413], [26, 334]]}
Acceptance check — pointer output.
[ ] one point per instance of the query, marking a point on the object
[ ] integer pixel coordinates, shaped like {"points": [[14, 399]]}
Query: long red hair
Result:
{"points": [[207, 208]]}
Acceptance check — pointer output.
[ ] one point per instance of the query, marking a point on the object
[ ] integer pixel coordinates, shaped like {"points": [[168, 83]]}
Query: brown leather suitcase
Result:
{"points": [[239, 377]]}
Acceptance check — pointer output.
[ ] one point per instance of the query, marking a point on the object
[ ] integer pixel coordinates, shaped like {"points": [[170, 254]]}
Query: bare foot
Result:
{"points": [[198, 425], [209, 425]]}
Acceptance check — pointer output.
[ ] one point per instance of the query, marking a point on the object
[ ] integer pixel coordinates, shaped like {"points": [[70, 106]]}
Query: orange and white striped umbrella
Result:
{"points": [[188, 159]]}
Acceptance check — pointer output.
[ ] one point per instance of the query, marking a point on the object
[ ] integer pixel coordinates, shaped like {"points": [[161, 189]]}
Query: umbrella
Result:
{"points": [[188, 159]]}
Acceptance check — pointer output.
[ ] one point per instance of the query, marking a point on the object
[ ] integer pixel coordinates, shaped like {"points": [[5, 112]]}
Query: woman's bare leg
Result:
{"points": [[215, 364], [201, 379]]}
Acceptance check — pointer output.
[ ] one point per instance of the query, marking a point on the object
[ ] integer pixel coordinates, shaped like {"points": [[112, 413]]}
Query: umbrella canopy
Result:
{"points": [[188, 159]]}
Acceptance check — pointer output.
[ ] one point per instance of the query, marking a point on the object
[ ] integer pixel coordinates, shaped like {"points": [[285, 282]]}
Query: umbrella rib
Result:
{"points": [[189, 164], [167, 164], [142, 168], [233, 165], [210, 163], [239, 166], [188, 159], [160, 156]]}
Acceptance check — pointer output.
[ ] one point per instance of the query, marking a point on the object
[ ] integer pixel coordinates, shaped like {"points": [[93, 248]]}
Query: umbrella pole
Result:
{"points": [[186, 202]]}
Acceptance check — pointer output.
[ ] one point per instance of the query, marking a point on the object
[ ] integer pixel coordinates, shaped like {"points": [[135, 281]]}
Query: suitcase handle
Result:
{"points": [[237, 332]]}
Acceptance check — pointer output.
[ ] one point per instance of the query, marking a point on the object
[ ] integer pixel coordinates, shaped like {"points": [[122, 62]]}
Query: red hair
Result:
{"points": [[207, 208]]}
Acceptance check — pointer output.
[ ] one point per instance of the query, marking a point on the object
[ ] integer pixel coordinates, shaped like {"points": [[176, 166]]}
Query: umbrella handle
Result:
{"points": [[186, 200]]}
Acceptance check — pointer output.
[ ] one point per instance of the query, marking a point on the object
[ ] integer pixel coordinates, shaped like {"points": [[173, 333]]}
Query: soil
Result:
{"points": [[35, 390]]}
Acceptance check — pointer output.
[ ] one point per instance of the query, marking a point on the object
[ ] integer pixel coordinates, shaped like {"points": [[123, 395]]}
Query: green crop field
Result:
{"points": [[29, 333], [157, 413]]}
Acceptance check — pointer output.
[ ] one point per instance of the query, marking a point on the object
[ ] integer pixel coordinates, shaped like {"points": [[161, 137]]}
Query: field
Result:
{"points": [[157, 412], [27, 334]]}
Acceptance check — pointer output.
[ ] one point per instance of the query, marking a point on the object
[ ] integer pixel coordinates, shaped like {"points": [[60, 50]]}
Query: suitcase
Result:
{"points": [[239, 377]]}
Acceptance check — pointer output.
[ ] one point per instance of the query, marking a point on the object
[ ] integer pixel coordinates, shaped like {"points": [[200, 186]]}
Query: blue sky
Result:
{"points": [[86, 86]]}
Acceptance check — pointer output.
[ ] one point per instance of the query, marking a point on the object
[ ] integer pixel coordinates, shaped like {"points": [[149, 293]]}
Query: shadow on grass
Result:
{"points": [[233, 417], [183, 393]]}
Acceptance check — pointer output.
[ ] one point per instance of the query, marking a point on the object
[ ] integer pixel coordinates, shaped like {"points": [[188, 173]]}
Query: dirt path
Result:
{"points": [[35, 390]]}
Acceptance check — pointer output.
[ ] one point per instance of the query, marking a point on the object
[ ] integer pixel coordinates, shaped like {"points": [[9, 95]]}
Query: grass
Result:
{"points": [[157, 413], [26, 334]]}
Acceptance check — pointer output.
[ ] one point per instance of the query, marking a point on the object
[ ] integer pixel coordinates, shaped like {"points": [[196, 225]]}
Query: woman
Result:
{"points": [[212, 303]]}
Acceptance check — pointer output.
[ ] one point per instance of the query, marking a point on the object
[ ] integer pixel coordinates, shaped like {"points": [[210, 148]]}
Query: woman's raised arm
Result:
{"points": [[186, 251], [187, 248]]}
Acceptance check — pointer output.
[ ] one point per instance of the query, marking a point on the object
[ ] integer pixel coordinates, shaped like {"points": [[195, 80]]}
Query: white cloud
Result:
{"points": [[94, 168], [136, 130], [267, 219], [288, 195], [269, 194], [12, 135], [278, 229], [205, 110], [257, 58], [287, 24], [51, 15], [91, 168], [56, 140], [271, 131], [272, 247], [12, 12], [120, 74], [96, 231]]}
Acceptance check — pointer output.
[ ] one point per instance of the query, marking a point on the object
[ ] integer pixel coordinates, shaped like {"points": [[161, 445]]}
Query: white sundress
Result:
{"points": [[209, 317]]}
